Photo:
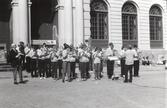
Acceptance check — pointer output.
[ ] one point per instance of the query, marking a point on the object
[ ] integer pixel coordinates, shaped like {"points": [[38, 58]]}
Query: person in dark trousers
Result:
{"points": [[73, 62], [60, 62], [21, 64], [129, 62], [122, 59], [54, 63], [14, 60], [97, 63], [110, 63], [21, 50], [27, 51], [42, 52], [84, 56], [136, 61], [33, 63]]}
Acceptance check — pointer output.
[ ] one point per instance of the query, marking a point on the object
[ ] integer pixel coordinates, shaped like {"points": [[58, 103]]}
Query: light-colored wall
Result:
{"points": [[86, 10], [115, 21]]}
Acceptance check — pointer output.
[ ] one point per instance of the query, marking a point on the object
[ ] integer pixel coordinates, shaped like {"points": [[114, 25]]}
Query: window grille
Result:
{"points": [[99, 20], [156, 38], [129, 24]]}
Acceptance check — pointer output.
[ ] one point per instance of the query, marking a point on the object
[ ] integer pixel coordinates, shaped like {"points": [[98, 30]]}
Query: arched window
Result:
{"points": [[129, 24], [156, 38], [99, 23]]}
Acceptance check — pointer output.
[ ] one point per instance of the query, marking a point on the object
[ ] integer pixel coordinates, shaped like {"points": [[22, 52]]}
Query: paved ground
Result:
{"points": [[147, 91]]}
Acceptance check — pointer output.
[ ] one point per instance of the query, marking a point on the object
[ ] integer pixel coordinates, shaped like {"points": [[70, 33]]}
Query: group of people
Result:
{"points": [[60, 62]]}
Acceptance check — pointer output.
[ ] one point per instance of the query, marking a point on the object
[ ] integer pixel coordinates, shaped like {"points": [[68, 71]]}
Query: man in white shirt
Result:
{"points": [[129, 62]]}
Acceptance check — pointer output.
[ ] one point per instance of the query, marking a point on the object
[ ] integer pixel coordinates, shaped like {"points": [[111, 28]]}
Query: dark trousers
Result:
{"points": [[87, 70], [33, 66], [91, 64], [54, 70], [42, 68], [136, 68], [83, 69], [60, 62], [73, 65], [48, 67], [128, 73], [66, 70], [18, 71], [28, 64], [97, 70], [122, 67], [110, 68]]}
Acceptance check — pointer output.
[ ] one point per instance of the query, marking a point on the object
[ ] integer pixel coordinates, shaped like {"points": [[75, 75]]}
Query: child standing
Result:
{"points": [[97, 63]]}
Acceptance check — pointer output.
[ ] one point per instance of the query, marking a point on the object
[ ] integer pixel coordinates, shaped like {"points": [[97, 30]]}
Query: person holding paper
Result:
{"points": [[110, 62]]}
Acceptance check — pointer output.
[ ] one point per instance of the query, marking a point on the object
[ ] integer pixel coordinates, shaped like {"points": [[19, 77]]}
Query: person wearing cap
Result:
{"points": [[130, 55]]}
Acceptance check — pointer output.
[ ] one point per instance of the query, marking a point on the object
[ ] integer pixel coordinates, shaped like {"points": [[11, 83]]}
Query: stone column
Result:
{"points": [[68, 22], [61, 31], [15, 21], [79, 22], [23, 20], [29, 21]]}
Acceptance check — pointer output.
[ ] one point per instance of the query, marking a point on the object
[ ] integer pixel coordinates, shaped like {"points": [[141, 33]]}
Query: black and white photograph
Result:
{"points": [[83, 53]]}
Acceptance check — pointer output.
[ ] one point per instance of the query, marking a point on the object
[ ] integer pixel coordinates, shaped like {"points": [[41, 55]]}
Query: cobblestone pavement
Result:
{"points": [[147, 91]]}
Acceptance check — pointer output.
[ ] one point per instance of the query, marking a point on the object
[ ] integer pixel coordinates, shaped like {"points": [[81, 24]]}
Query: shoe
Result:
{"points": [[21, 82], [125, 81], [16, 83], [63, 80], [40, 78], [130, 81], [109, 77]]}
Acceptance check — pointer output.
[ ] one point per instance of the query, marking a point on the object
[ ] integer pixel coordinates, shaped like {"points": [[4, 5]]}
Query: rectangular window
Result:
{"points": [[99, 28], [156, 40]]}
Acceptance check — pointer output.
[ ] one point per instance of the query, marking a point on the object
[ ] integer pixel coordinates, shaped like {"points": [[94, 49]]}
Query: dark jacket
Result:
{"points": [[13, 59]]}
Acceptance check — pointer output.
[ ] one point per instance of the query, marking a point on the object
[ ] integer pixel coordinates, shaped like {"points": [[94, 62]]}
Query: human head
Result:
{"points": [[111, 45], [44, 45], [13, 45], [135, 46], [130, 47]]}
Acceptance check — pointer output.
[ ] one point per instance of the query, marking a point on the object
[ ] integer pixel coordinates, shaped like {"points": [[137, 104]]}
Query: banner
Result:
{"points": [[40, 42]]}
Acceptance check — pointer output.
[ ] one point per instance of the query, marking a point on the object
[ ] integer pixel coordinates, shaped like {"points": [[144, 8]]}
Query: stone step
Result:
{"points": [[5, 67]]}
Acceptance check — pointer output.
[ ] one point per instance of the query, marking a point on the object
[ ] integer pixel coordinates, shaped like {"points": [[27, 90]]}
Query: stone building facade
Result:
{"points": [[140, 22]]}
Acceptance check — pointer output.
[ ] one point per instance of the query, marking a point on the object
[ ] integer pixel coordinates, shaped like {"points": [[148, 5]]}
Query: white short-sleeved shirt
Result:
{"points": [[129, 57]]}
